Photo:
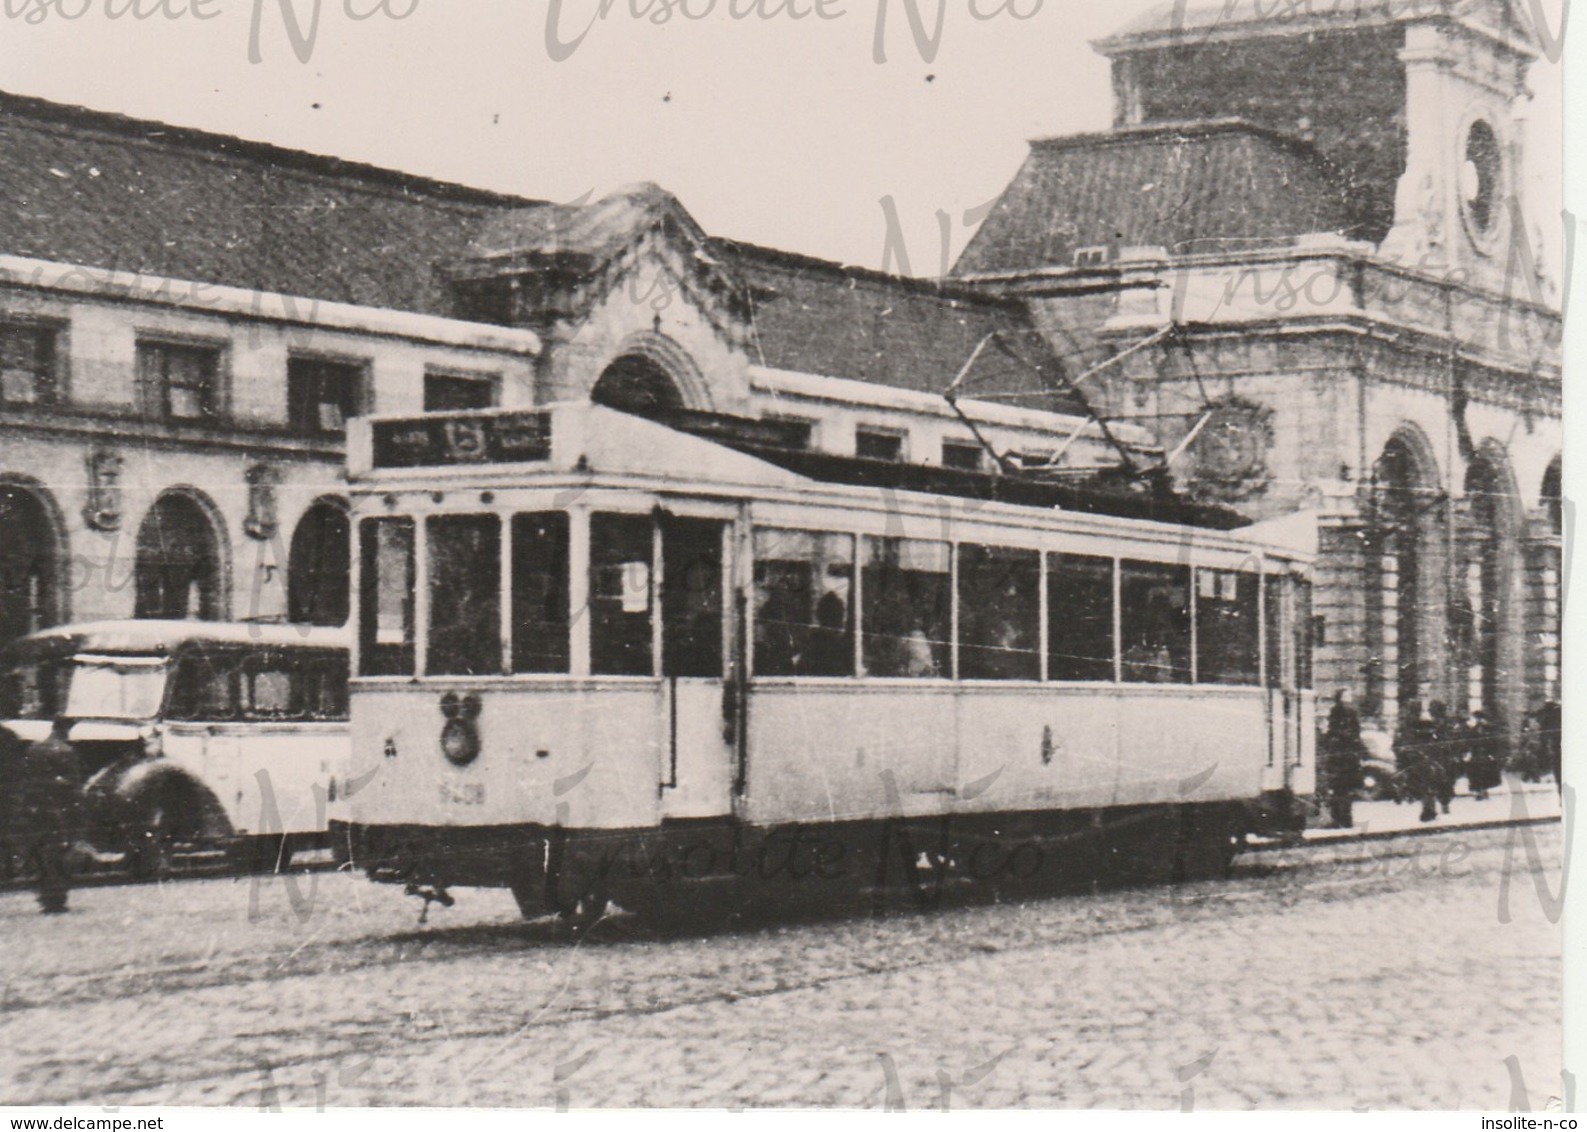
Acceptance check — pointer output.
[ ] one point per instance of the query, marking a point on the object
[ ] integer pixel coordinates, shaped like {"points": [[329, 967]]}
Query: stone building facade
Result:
{"points": [[1295, 272], [1301, 256], [187, 320]]}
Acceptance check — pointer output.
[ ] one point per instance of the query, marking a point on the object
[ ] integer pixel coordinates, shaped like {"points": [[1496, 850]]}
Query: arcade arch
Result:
{"points": [[32, 553], [181, 570], [319, 564]]}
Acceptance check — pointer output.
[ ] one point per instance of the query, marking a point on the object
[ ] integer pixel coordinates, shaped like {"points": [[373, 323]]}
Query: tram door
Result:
{"points": [[1283, 663], [697, 770]]}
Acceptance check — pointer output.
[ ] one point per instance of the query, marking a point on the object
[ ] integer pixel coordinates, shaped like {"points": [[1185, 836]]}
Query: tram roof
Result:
{"points": [[697, 446], [160, 638]]}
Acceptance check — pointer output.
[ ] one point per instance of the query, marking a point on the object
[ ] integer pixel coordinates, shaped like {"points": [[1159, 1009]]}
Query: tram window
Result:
{"points": [[691, 597], [1154, 611], [385, 636], [1303, 640], [1079, 617], [803, 602], [906, 598], [465, 595], [1226, 630], [999, 612], [621, 549], [1273, 617], [540, 592]]}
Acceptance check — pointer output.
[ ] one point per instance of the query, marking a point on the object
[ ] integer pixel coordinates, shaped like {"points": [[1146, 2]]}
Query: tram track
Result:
{"points": [[400, 1003], [1282, 884]]}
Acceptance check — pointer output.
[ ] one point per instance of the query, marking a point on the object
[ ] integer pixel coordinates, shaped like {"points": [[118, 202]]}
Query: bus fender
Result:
{"points": [[147, 781]]}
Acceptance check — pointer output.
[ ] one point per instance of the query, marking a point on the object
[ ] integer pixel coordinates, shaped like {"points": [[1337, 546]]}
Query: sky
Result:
{"points": [[790, 123]]}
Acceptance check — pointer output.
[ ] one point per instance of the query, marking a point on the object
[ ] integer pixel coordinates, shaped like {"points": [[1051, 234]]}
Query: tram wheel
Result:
{"points": [[584, 912]]}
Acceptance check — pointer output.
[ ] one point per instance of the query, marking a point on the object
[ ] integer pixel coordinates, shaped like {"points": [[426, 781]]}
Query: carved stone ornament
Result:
{"points": [[102, 512], [1231, 451], [263, 479]]}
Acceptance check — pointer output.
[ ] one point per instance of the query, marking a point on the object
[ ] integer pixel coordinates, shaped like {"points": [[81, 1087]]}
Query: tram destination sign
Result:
{"points": [[439, 441]]}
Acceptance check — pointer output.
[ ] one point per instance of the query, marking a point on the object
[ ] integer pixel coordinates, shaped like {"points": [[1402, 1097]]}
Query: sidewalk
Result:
{"points": [[1514, 802]]}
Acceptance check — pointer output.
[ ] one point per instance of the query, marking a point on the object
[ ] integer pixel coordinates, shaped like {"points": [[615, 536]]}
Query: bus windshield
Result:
{"points": [[112, 688]]}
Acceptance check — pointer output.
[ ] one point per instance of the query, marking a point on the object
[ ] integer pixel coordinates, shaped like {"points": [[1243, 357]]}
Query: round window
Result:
{"points": [[1480, 177]]}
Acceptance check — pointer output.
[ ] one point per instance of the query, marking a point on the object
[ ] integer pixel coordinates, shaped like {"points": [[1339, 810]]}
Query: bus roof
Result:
{"points": [[161, 638]]}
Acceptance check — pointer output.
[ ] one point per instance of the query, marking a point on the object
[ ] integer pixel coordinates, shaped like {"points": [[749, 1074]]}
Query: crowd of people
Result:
{"points": [[1433, 750]]}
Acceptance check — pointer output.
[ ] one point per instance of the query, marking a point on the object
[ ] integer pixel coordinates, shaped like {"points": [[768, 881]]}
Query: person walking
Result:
{"points": [[1549, 722], [1342, 749], [1416, 758], [48, 789], [1445, 761], [1483, 760]]}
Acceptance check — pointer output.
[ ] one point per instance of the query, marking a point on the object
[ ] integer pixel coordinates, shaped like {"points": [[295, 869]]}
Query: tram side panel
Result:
{"points": [[820, 754], [547, 756]]}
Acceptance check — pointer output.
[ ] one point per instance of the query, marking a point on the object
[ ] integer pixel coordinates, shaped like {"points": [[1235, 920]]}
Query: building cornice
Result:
{"points": [[190, 296]]}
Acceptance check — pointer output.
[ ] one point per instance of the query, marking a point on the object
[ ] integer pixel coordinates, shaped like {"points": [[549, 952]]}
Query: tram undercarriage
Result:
{"points": [[689, 866]]}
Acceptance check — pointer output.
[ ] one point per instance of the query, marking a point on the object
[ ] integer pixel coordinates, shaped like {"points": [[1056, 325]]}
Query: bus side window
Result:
{"points": [[1226, 630], [321, 686], [1154, 611], [540, 592], [804, 624], [465, 595], [267, 688], [385, 617], [907, 616], [621, 549], [999, 611], [1079, 617], [691, 597], [204, 687]]}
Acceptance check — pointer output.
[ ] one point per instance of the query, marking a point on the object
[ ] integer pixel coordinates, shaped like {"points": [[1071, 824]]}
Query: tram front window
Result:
{"points": [[691, 597], [465, 595], [999, 609], [385, 623], [1226, 627], [907, 594], [1154, 611], [803, 603], [540, 592], [622, 549]]}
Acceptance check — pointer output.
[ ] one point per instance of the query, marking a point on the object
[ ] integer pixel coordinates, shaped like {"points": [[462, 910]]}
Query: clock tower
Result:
{"points": [[1457, 202]]}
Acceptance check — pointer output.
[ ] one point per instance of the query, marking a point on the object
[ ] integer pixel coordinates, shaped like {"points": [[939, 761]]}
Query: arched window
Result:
{"points": [[1488, 601], [29, 563], [1404, 602], [637, 384], [317, 576], [179, 571]]}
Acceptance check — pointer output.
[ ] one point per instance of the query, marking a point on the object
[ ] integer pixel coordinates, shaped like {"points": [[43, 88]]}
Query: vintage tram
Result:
{"points": [[602, 657]]}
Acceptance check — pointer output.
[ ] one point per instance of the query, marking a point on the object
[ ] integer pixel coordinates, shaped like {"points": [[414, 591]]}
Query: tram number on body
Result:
{"points": [[463, 794]]}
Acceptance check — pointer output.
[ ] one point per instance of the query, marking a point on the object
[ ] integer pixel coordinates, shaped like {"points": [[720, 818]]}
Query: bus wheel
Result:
{"points": [[153, 839]]}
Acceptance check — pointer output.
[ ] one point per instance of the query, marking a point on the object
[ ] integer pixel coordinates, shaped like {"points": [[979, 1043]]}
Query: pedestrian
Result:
{"points": [[49, 787], [1445, 764], [1416, 758], [1549, 722], [1342, 750], [1483, 757]]}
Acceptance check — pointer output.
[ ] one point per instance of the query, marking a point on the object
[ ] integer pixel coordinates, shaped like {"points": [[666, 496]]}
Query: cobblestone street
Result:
{"points": [[1400, 973]]}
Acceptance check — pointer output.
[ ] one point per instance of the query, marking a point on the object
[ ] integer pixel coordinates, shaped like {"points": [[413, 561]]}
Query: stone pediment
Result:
{"points": [[564, 259]]}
